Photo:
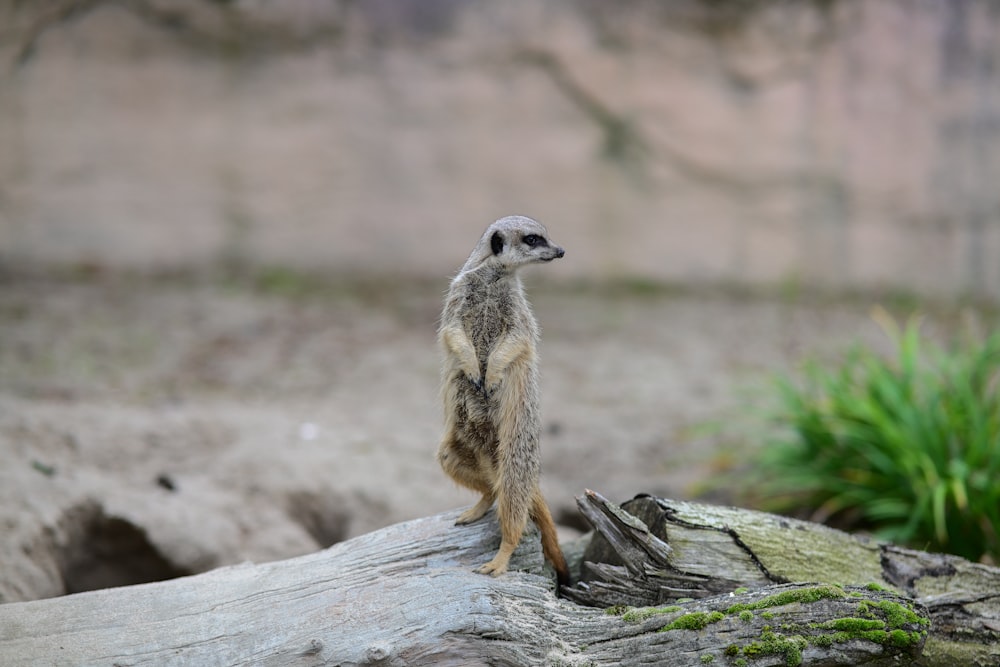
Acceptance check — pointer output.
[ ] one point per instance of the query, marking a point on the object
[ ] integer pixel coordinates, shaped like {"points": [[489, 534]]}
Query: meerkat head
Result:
{"points": [[513, 242]]}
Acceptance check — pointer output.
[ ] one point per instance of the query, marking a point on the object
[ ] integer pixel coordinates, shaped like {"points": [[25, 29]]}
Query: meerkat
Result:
{"points": [[489, 338]]}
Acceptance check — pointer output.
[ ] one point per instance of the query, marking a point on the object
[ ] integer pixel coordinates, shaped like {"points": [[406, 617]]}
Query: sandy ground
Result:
{"points": [[150, 428]]}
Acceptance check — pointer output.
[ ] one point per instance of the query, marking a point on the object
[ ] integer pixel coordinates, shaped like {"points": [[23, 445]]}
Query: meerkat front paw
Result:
{"points": [[477, 384], [491, 383]]}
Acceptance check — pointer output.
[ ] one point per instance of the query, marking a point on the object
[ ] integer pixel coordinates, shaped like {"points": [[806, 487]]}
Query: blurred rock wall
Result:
{"points": [[844, 144]]}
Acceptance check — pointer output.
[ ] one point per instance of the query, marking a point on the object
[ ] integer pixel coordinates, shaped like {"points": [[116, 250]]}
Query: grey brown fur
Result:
{"points": [[490, 386]]}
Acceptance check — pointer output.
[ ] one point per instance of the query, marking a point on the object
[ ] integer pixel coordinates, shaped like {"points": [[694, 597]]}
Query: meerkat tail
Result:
{"points": [[550, 542]]}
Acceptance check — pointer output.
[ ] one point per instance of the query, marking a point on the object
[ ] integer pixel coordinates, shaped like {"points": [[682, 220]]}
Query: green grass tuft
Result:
{"points": [[907, 447]]}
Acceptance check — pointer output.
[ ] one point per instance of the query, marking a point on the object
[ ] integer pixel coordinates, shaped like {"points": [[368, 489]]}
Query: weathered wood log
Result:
{"points": [[716, 549], [407, 595]]}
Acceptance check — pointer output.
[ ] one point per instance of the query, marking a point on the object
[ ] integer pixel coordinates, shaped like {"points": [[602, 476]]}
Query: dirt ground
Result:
{"points": [[156, 427]]}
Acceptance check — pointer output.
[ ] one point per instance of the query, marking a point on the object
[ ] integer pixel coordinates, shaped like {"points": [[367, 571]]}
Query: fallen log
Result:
{"points": [[717, 549], [407, 595]]}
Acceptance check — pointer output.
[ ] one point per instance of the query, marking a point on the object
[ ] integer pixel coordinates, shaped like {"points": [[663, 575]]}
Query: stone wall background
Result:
{"points": [[837, 144]]}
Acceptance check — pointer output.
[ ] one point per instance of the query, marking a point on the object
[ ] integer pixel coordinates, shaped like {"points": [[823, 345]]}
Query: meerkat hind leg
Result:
{"points": [[477, 511], [470, 476], [498, 565], [512, 523]]}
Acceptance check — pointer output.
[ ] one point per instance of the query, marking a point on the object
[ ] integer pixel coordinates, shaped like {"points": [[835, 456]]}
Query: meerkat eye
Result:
{"points": [[533, 240]]}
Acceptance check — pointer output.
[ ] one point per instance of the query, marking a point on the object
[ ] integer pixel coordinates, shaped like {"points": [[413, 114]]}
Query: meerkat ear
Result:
{"points": [[496, 243]]}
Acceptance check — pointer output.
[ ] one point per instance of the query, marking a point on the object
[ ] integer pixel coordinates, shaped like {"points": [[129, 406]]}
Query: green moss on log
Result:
{"points": [[697, 620]]}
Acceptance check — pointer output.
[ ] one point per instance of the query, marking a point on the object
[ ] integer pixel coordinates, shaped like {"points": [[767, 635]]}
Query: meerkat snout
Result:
{"points": [[516, 241]]}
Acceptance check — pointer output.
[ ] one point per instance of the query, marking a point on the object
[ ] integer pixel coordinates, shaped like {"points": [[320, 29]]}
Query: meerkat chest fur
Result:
{"points": [[492, 307], [489, 336]]}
